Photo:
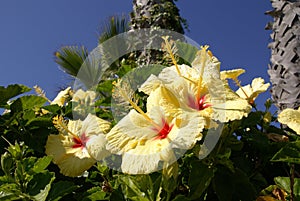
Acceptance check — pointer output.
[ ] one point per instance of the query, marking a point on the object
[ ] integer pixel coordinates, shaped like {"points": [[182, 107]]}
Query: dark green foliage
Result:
{"points": [[113, 27], [71, 58]]}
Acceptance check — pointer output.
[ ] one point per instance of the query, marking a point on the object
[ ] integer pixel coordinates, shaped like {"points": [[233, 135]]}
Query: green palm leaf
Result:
{"points": [[71, 58], [114, 26]]}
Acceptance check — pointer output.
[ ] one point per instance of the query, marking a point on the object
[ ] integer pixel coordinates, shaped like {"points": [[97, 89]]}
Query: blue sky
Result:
{"points": [[32, 30]]}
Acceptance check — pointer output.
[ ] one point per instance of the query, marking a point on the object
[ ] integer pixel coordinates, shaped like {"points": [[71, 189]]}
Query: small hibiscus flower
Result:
{"points": [[199, 89], [78, 145], [61, 97], [146, 139], [291, 118], [250, 92]]}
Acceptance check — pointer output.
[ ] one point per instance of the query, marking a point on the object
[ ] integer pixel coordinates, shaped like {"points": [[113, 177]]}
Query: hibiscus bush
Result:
{"points": [[186, 131]]}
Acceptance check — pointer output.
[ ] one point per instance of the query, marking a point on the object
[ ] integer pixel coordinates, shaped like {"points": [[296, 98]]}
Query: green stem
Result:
{"points": [[168, 196], [292, 180]]}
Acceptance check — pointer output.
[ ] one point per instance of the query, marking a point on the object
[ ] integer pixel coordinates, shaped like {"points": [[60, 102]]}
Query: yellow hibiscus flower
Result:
{"points": [[250, 92], [199, 88], [61, 97], [78, 145], [145, 140], [291, 118]]}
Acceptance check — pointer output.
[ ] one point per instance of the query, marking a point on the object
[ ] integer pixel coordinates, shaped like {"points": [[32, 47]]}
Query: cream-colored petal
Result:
{"points": [[96, 147], [75, 127], [187, 130], [93, 125], [61, 97], [291, 118], [211, 64], [170, 75], [140, 164], [142, 150], [132, 126], [54, 147], [231, 74], [73, 166], [250, 92], [71, 163], [232, 108], [150, 84], [145, 159], [164, 98]]}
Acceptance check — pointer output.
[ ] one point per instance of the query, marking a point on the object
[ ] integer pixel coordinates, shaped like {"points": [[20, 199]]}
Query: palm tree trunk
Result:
{"points": [[284, 69], [155, 14]]}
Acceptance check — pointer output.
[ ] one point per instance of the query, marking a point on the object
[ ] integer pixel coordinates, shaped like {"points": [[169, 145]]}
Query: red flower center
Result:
{"points": [[80, 141], [164, 131], [199, 103]]}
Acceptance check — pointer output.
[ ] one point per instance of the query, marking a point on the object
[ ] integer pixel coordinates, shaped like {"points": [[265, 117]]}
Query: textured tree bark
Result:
{"points": [[154, 14], [284, 69]]}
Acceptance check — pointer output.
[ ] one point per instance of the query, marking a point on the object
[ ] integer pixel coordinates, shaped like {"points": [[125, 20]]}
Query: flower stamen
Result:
{"points": [[164, 131], [60, 125], [80, 142], [203, 61], [134, 105]]}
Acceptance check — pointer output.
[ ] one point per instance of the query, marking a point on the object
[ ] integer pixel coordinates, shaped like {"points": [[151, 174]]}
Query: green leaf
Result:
{"points": [[95, 194], [289, 153], [186, 51], [124, 70], [52, 108], [60, 189], [9, 192], [169, 177], [284, 183], [199, 179], [117, 195], [180, 198], [11, 91], [244, 189], [253, 119], [39, 122], [268, 190], [233, 185], [223, 184], [234, 143], [7, 163], [39, 186], [224, 159], [41, 164], [156, 178], [27, 102], [137, 187], [27, 163]]}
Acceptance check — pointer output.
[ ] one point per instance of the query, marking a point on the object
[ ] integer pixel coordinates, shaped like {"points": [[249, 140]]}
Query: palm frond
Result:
{"points": [[71, 58], [114, 26]]}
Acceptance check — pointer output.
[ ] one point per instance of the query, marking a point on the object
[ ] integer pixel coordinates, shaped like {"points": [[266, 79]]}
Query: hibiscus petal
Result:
{"points": [[291, 118], [54, 147], [231, 74], [250, 92], [73, 166], [96, 147]]}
